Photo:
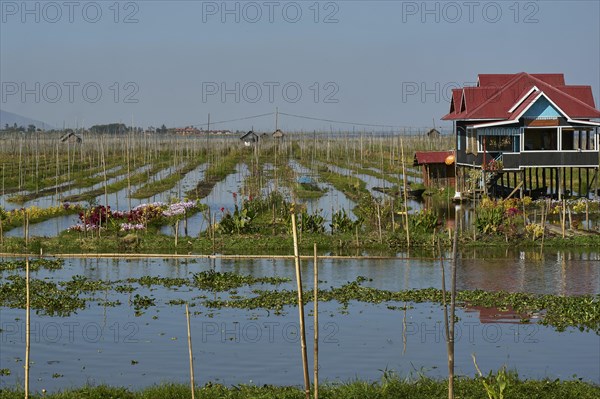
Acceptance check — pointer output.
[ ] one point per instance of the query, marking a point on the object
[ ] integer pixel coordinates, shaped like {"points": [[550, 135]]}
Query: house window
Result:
{"points": [[578, 139], [540, 139], [498, 143], [471, 141]]}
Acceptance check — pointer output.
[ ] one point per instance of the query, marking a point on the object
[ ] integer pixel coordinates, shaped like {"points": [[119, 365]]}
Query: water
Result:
{"points": [[110, 345], [221, 196], [332, 201]]}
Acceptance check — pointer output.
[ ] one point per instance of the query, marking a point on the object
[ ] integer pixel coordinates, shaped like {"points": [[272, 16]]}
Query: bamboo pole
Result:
{"points": [[587, 217], [450, 337], [316, 323], [544, 211], [27, 328], [189, 337], [300, 306], [405, 194]]}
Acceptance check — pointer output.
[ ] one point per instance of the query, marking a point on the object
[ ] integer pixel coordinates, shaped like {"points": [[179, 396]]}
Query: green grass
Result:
{"points": [[119, 185], [153, 188], [388, 388]]}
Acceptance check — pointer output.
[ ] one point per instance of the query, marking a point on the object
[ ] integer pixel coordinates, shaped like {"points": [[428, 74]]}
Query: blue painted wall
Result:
{"points": [[542, 108]]}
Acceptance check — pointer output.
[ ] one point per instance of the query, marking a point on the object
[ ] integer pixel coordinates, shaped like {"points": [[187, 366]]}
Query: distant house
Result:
{"points": [[522, 124], [277, 134], [70, 137], [437, 167], [249, 138], [433, 133], [187, 131]]}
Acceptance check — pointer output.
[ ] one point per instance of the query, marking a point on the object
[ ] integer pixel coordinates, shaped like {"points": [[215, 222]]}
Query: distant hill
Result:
{"points": [[20, 120]]}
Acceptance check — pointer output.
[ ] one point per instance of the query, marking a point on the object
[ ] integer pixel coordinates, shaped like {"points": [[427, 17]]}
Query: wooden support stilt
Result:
{"points": [[587, 183], [571, 180], [530, 180], [564, 181]]}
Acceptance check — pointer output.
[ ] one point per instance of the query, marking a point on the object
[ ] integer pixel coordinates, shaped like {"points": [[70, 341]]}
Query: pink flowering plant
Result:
{"points": [[138, 219]]}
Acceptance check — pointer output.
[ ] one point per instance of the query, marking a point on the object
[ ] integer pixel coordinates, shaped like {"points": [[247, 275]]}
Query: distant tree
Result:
{"points": [[163, 129], [6, 127], [112, 128], [31, 128]]}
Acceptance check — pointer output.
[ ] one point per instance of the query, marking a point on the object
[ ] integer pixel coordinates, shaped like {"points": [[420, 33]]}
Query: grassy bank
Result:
{"points": [[388, 388], [345, 244]]}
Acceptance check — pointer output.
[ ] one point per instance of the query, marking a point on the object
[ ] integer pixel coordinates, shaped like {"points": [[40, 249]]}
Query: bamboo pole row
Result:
{"points": [[96, 255]]}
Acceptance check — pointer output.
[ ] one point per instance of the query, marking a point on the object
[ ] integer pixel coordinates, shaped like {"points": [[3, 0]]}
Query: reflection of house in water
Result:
{"points": [[499, 315], [527, 130]]}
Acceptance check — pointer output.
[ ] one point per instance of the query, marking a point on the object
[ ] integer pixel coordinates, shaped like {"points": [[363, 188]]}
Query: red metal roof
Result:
{"points": [[496, 95], [429, 157]]}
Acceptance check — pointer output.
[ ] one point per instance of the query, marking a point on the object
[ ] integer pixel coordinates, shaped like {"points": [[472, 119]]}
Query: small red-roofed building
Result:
{"points": [[518, 125], [437, 167]]}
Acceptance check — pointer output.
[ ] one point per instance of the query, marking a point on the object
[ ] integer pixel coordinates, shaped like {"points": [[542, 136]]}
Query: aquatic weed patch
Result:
{"points": [[46, 297], [34, 264], [582, 312], [224, 281]]}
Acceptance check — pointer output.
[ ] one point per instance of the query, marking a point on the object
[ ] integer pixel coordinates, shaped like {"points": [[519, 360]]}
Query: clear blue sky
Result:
{"points": [[358, 61]]}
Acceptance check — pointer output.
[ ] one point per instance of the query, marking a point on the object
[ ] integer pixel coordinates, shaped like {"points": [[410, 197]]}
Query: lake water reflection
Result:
{"points": [[111, 345]]}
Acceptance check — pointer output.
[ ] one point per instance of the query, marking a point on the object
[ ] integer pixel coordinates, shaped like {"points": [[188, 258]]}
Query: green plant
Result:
{"points": [[240, 221], [342, 223], [489, 220], [494, 385], [311, 222], [424, 221]]}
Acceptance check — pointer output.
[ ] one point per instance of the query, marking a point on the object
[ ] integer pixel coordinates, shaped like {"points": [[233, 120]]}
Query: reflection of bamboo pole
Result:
{"points": [[404, 329], [300, 306], [27, 327], [379, 222], [189, 337], [316, 322], [563, 218], [444, 303]]}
